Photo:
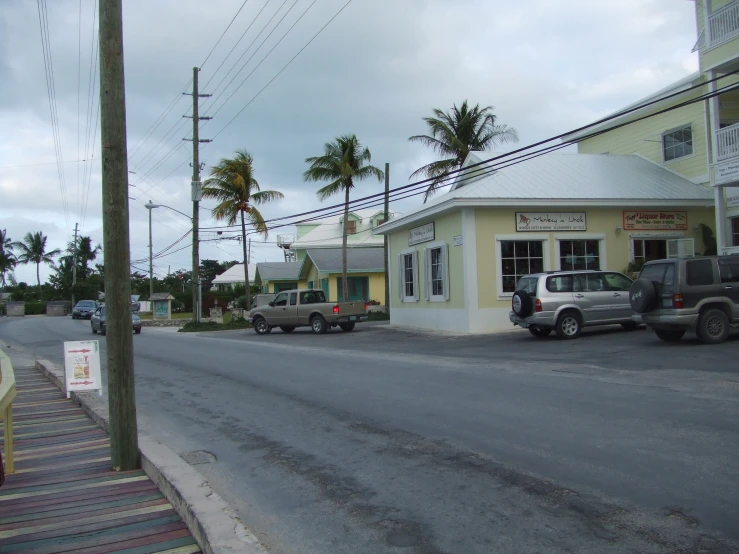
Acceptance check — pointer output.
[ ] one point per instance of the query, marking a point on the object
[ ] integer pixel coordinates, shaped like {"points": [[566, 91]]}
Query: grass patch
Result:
{"points": [[204, 326], [178, 315]]}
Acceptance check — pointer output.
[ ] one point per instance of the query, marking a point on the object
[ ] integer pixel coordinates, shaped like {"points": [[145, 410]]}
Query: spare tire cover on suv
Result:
{"points": [[522, 303], [642, 296]]}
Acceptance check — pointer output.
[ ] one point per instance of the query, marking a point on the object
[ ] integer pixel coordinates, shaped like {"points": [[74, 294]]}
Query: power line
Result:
{"points": [[223, 34], [283, 69]]}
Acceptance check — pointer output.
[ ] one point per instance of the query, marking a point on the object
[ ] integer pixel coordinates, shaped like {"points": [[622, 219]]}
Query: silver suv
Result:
{"points": [[567, 301], [688, 294]]}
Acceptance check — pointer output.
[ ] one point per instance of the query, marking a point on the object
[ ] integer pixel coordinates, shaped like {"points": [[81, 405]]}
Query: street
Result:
{"points": [[386, 440]]}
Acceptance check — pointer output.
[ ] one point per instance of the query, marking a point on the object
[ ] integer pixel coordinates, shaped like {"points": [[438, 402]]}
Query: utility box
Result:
{"points": [[161, 305]]}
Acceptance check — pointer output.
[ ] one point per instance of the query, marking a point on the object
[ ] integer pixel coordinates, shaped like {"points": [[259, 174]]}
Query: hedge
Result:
{"points": [[35, 308]]}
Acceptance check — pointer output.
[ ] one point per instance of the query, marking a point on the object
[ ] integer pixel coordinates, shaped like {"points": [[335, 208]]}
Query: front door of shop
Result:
{"points": [[649, 249]]}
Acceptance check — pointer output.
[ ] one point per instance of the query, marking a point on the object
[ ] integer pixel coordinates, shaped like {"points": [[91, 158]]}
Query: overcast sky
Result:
{"points": [[547, 66]]}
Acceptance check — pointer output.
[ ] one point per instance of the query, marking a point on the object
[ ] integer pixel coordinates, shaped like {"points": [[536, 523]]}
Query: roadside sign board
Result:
{"points": [[82, 366]]}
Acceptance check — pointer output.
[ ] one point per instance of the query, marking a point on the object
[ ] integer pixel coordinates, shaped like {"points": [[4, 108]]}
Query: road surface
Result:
{"points": [[392, 441]]}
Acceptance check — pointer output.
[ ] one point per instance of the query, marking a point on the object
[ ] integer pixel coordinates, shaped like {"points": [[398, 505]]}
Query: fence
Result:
{"points": [[7, 395]]}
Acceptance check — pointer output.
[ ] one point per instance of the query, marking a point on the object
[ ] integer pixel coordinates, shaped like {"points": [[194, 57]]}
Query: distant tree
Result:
{"points": [[7, 263], [232, 182], [6, 245], [33, 250], [454, 135], [343, 162]]}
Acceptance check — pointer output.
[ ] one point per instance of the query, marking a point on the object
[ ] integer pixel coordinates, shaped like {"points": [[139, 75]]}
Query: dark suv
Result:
{"points": [[688, 294]]}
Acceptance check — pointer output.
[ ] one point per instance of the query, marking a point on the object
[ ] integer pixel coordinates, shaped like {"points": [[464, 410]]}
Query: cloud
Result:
{"points": [[375, 71]]}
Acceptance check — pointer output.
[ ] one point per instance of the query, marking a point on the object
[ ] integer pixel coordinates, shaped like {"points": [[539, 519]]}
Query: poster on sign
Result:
{"points": [[732, 197], [82, 366]]}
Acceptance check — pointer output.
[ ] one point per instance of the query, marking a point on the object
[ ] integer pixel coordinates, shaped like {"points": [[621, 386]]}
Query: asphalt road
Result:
{"points": [[394, 441]]}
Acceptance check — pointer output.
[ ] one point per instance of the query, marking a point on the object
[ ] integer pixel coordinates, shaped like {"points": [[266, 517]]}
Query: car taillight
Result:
{"points": [[336, 309], [677, 301], [537, 305], [366, 306]]}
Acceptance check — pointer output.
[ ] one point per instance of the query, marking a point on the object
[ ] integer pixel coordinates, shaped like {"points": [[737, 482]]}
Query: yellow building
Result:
{"points": [[321, 269], [455, 261], [700, 140]]}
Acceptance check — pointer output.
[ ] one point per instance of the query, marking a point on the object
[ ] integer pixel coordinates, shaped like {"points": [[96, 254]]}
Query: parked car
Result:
{"points": [[84, 309], [567, 301], [303, 308], [97, 322], [688, 294]]}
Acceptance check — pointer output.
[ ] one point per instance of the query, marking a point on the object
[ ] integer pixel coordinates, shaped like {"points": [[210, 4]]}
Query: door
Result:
{"points": [[277, 313], [592, 297], [729, 271], [619, 286]]}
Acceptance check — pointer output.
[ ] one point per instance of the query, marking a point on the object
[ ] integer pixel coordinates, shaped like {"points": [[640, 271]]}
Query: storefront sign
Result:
{"points": [[424, 233], [458, 240], [82, 366], [652, 221], [726, 172], [732, 197], [530, 221]]}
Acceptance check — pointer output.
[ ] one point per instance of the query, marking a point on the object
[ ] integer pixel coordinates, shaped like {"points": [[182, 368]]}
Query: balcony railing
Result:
{"points": [[727, 141], [724, 24]]}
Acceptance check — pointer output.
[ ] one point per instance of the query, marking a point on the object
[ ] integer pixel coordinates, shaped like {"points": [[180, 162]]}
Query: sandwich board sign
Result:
{"points": [[82, 366]]}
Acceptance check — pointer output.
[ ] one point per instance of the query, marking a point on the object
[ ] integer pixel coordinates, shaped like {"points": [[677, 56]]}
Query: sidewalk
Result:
{"points": [[64, 497]]}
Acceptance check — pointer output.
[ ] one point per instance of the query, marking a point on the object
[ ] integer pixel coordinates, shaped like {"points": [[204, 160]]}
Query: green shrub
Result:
{"points": [[377, 316], [193, 327], [35, 308]]}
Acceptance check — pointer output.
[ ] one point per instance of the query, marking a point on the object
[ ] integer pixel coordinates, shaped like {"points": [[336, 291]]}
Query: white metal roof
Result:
{"points": [[328, 234], [569, 179], [235, 274]]}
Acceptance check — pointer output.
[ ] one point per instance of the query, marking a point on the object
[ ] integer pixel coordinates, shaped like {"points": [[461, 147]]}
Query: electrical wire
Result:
{"points": [[223, 34]]}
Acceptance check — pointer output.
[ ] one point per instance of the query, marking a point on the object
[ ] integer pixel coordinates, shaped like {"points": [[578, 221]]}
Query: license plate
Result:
{"points": [[352, 318], [667, 302]]}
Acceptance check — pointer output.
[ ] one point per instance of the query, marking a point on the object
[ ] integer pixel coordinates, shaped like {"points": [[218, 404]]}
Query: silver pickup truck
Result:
{"points": [[306, 308]]}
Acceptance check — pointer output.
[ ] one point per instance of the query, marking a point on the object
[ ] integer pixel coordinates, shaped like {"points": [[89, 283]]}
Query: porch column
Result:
{"points": [[718, 191]]}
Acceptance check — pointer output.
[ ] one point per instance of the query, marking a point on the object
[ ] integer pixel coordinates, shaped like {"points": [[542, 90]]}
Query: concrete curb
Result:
{"points": [[211, 521]]}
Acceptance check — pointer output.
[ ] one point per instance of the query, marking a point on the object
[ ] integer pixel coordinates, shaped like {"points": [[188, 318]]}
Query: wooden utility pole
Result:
{"points": [[196, 190], [387, 241], [124, 451], [74, 262]]}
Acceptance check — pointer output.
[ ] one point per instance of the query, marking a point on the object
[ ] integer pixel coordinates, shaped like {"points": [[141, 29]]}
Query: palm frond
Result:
{"points": [[329, 190], [265, 196], [257, 221]]}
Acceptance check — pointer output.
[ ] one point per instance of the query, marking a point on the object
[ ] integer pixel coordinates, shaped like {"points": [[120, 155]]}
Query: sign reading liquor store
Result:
{"points": [[531, 221], [424, 233], [647, 220]]}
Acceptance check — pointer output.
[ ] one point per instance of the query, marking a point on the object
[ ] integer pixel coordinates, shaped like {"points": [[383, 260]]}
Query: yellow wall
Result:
{"points": [[446, 227], [645, 137], [376, 285], [490, 222]]}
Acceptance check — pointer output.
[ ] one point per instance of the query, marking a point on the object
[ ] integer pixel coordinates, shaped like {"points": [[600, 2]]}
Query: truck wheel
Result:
{"points": [[94, 331], [102, 330], [669, 335], [261, 327], [713, 327], [318, 324], [346, 327], [569, 325], [287, 328]]}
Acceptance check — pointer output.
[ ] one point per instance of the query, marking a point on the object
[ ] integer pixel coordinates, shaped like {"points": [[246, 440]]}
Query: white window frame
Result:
{"points": [[401, 274], [651, 236], [428, 247], [520, 237], [600, 237], [662, 143]]}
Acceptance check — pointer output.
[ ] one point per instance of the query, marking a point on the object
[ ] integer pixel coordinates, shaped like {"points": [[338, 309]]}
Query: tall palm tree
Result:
{"points": [[454, 135], [343, 162], [7, 263], [232, 182], [86, 253], [6, 245], [33, 250]]}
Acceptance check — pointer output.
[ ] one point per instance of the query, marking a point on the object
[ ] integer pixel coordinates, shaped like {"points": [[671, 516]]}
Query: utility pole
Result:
{"points": [[150, 206], [74, 262], [387, 242], [197, 191], [124, 452]]}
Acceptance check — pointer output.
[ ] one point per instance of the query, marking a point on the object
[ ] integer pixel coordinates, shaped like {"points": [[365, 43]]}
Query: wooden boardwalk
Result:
{"points": [[64, 497]]}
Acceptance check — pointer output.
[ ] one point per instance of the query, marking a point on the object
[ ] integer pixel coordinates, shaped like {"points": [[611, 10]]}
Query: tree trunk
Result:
{"points": [[246, 263], [344, 280], [38, 278]]}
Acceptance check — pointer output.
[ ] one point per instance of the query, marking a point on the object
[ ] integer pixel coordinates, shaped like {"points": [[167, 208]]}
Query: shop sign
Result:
{"points": [[424, 233], [458, 240], [726, 172], [82, 366], [552, 221], [654, 220], [732, 197]]}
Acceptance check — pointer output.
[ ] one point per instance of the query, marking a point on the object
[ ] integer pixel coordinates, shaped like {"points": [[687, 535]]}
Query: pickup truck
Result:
{"points": [[306, 308]]}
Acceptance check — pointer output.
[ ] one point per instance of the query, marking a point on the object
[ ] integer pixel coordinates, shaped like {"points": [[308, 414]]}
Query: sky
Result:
{"points": [[376, 70]]}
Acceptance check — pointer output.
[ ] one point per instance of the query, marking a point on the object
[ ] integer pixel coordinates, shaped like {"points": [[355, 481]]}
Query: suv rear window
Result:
{"points": [[662, 274], [699, 273], [560, 283], [528, 284]]}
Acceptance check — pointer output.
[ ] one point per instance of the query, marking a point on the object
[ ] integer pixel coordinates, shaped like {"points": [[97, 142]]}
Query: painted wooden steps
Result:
{"points": [[64, 497]]}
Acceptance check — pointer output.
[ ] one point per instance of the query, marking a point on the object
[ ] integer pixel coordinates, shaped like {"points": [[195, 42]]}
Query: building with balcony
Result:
{"points": [[698, 140]]}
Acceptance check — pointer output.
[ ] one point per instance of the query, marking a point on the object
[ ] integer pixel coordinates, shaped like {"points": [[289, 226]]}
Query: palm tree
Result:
{"points": [[454, 135], [7, 263], [232, 182], [85, 254], [343, 162], [6, 245], [33, 250]]}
